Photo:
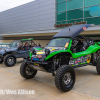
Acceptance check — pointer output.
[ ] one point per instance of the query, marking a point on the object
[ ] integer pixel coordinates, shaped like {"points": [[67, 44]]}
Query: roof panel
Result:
{"points": [[72, 31]]}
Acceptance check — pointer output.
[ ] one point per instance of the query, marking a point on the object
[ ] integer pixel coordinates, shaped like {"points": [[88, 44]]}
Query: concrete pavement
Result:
{"points": [[87, 86]]}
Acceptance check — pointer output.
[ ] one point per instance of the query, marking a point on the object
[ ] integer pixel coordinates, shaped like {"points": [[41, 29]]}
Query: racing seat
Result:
{"points": [[79, 46], [30, 46]]}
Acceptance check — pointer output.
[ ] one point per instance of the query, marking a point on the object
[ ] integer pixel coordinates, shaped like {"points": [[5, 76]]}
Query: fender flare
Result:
{"points": [[57, 52]]}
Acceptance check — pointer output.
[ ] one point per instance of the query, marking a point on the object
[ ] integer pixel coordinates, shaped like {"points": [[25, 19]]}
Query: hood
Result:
{"points": [[4, 50], [52, 49], [72, 31], [10, 49]]}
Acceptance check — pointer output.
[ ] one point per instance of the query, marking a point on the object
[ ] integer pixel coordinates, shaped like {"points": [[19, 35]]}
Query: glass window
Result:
{"points": [[73, 4], [75, 14], [91, 2], [92, 11], [58, 42], [60, 1], [61, 16], [95, 20], [72, 21], [61, 7], [14, 44], [64, 22]]}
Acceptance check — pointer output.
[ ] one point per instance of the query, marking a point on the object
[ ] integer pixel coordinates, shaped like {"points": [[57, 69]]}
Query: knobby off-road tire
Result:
{"points": [[65, 78], [98, 65], [1, 60], [9, 60], [26, 71], [94, 58]]}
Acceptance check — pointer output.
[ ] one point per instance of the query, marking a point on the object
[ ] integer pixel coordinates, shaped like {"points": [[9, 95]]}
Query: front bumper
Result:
{"points": [[38, 65]]}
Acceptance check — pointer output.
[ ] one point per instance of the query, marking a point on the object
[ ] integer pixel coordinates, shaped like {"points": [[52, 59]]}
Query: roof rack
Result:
{"points": [[30, 39]]}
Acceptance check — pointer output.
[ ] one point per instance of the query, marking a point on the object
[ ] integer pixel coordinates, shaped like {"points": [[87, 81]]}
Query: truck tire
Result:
{"points": [[1, 60], [26, 71], [65, 78], [94, 58], [9, 60], [98, 65]]}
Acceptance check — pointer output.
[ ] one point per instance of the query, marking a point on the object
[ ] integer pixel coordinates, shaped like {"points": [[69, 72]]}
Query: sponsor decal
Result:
{"points": [[51, 48], [76, 62], [88, 58], [71, 62], [83, 59], [66, 45], [40, 52], [84, 28], [36, 59], [33, 56], [39, 56]]}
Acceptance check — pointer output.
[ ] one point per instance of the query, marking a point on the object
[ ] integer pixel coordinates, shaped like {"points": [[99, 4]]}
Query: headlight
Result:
{"points": [[47, 52]]}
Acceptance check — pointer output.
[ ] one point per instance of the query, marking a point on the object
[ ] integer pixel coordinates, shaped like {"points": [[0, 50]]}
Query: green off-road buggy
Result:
{"points": [[65, 52]]}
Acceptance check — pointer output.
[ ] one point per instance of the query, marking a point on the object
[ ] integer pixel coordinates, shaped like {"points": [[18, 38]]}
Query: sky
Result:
{"points": [[8, 4]]}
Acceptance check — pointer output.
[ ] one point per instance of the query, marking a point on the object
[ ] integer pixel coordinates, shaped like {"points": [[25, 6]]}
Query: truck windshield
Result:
{"points": [[58, 42], [14, 44]]}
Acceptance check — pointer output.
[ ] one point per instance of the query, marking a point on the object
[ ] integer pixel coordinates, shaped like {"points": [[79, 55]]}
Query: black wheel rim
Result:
{"points": [[29, 71], [67, 80], [10, 60]]}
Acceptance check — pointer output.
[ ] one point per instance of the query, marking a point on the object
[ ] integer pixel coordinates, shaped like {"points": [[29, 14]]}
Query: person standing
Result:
{"points": [[39, 45]]}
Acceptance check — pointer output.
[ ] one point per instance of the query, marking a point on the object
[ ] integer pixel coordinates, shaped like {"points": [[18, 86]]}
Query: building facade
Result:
{"points": [[36, 19], [28, 20], [69, 11], [33, 16]]}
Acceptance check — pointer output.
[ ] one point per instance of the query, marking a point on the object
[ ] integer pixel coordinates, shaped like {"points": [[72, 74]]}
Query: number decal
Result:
{"points": [[80, 60]]}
